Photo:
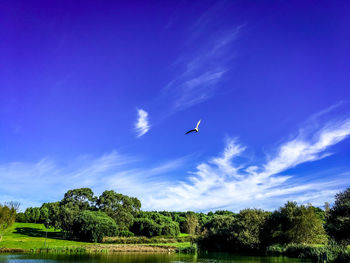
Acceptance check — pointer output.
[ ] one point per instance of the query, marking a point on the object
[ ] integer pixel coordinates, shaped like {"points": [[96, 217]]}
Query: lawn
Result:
{"points": [[29, 236], [32, 236]]}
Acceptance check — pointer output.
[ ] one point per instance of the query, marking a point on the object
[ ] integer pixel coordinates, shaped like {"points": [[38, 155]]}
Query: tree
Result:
{"points": [[191, 223], [79, 199], [21, 218], [154, 224], [248, 228], [121, 208], [294, 224], [36, 214], [73, 203], [7, 216], [146, 227], [217, 234], [28, 214], [93, 226], [53, 217], [338, 218]]}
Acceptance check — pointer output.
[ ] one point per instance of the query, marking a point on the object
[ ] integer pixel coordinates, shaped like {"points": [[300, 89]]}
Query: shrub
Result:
{"points": [[21, 218], [146, 240], [126, 233], [93, 226], [155, 224]]}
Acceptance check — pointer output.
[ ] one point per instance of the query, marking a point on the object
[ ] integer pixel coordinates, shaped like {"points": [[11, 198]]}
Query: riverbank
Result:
{"points": [[28, 237]]}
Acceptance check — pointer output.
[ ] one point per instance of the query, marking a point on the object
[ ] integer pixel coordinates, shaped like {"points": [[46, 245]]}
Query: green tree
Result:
{"points": [[248, 228], [154, 224], [53, 218], [338, 218], [93, 226], [217, 234], [79, 199], [21, 218], [191, 223], [7, 216], [36, 214], [73, 203], [121, 208], [294, 224]]}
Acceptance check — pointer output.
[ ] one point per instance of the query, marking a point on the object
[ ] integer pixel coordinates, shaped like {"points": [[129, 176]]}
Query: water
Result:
{"points": [[141, 258]]}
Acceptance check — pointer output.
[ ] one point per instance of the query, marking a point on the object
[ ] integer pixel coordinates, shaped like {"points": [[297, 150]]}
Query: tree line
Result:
{"points": [[83, 216]]}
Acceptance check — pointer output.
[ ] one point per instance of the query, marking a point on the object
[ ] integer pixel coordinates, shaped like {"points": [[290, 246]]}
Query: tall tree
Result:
{"points": [[248, 227], [338, 218], [191, 223], [79, 199], [7, 216], [294, 224], [121, 208]]}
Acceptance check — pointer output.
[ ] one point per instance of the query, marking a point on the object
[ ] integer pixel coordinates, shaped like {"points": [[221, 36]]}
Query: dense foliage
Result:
{"points": [[294, 224], [93, 226], [338, 218], [7, 216], [234, 232], [292, 229], [152, 224]]}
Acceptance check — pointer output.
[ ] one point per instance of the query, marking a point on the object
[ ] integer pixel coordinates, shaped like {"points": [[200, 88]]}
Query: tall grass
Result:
{"points": [[145, 240], [335, 253]]}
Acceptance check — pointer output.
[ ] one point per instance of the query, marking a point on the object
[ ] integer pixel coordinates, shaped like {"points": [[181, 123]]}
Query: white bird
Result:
{"points": [[195, 129]]}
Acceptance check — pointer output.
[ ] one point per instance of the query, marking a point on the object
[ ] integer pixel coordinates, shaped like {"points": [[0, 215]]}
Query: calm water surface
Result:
{"points": [[141, 258]]}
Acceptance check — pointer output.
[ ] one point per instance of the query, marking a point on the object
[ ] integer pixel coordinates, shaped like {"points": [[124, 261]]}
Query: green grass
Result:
{"points": [[32, 236], [29, 236]]}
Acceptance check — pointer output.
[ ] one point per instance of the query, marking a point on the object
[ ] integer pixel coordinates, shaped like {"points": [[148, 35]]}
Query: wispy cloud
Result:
{"points": [[202, 65], [142, 125], [222, 183]]}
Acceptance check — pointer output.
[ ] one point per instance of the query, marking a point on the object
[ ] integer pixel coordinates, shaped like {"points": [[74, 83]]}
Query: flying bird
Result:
{"points": [[195, 129]]}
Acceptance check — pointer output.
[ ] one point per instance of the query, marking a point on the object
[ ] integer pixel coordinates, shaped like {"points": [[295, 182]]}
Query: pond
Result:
{"points": [[141, 258]]}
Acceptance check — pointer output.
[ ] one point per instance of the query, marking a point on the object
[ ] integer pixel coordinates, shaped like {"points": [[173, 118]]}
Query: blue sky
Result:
{"points": [[100, 95]]}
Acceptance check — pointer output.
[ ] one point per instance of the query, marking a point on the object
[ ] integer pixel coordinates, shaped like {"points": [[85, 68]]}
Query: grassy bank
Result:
{"points": [[26, 237]]}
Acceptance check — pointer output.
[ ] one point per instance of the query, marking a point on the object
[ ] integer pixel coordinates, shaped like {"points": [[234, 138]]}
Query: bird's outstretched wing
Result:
{"points": [[190, 131], [198, 124]]}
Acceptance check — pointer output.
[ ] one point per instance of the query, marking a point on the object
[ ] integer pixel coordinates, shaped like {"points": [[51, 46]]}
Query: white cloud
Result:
{"points": [[142, 125], [198, 73], [220, 183]]}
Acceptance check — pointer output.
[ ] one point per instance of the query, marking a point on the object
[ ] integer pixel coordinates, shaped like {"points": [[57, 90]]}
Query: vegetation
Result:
{"points": [[294, 224], [338, 218], [93, 226], [295, 230], [7, 216], [32, 237]]}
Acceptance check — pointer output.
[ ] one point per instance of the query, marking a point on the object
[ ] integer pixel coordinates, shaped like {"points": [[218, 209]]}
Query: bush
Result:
{"points": [[145, 240], [93, 226], [125, 233], [21, 218], [155, 225]]}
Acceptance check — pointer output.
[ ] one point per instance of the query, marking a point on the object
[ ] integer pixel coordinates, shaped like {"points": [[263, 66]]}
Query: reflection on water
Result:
{"points": [[141, 258]]}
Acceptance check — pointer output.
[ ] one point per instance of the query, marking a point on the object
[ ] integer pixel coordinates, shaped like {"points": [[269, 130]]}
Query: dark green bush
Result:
{"points": [[155, 224], [93, 226], [125, 233], [21, 218]]}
